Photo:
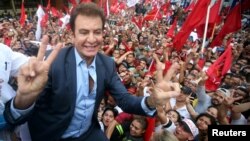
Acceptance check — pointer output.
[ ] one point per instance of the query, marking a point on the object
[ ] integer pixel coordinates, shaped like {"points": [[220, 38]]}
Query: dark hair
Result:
{"points": [[202, 135], [179, 118], [31, 31], [143, 121], [186, 90], [89, 9], [243, 89], [195, 69], [124, 64], [115, 112], [211, 118], [237, 76], [143, 59], [227, 74], [212, 106]]}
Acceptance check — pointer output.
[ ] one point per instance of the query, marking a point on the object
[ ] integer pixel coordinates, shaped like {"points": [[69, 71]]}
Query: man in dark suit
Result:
{"points": [[59, 96]]}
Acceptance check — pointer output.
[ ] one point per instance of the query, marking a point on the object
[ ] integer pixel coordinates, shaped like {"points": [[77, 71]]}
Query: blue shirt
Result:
{"points": [[85, 100]]}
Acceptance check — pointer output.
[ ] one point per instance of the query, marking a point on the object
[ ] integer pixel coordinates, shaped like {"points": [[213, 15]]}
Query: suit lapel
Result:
{"points": [[100, 73], [71, 78]]}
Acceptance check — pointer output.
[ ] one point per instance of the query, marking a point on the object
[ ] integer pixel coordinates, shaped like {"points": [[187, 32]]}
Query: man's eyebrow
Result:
{"points": [[82, 29]]}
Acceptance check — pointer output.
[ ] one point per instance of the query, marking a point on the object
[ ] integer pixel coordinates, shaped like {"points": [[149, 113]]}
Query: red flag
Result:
{"points": [[199, 11], [152, 67], [44, 20], [114, 8], [22, 18], [150, 128], [155, 3], [84, 1], [232, 24], [114, 2], [55, 12], [190, 7], [201, 63], [153, 15], [214, 18], [48, 5], [73, 2], [147, 1], [127, 48], [214, 12], [218, 69], [106, 8], [171, 31], [122, 5], [164, 7], [149, 18], [100, 3], [138, 21], [168, 64], [66, 9], [153, 11], [117, 7]]}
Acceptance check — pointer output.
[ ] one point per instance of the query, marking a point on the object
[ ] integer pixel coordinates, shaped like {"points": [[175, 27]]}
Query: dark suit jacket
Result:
{"points": [[55, 106]]}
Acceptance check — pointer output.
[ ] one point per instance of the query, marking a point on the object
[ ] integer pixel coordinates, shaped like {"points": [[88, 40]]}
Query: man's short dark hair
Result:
{"points": [[86, 9], [186, 90]]}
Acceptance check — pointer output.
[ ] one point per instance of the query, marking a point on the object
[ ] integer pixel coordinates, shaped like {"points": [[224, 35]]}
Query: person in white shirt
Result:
{"points": [[10, 62], [179, 103]]}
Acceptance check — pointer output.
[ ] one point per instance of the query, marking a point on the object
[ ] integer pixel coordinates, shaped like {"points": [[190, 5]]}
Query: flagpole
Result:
{"points": [[13, 7], [206, 25], [212, 36], [156, 14]]}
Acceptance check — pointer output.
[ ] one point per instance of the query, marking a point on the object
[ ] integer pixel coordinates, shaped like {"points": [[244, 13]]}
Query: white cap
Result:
{"points": [[224, 91], [191, 126]]}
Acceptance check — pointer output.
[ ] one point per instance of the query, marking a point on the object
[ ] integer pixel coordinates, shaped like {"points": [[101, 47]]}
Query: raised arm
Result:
{"points": [[33, 76]]}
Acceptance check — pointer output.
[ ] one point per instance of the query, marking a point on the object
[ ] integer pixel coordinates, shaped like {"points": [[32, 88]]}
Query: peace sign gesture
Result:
{"points": [[228, 101], [33, 75]]}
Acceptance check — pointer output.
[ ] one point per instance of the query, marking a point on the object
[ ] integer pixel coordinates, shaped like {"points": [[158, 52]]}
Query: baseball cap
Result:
{"points": [[224, 91], [189, 126]]}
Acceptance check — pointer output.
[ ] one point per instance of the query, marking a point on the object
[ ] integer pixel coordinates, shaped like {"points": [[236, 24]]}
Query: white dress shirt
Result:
{"points": [[10, 62]]}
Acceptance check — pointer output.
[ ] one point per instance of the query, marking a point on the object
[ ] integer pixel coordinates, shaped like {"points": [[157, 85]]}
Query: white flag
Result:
{"points": [[131, 3], [65, 20], [39, 13]]}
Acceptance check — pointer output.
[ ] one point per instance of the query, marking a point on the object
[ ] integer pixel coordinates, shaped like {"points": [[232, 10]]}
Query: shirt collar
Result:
{"points": [[79, 60]]}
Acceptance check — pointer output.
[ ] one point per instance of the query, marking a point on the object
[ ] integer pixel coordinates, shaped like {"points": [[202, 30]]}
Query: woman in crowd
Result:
{"points": [[108, 116], [128, 131], [202, 122]]}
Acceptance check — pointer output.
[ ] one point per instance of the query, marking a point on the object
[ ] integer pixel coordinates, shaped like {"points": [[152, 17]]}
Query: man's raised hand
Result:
{"points": [[33, 75]]}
